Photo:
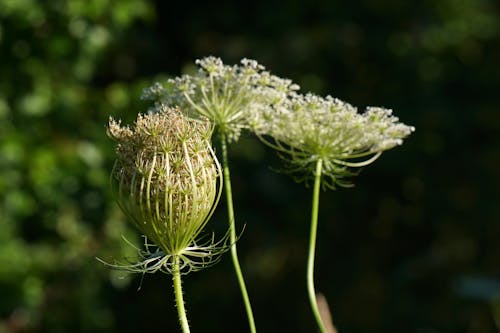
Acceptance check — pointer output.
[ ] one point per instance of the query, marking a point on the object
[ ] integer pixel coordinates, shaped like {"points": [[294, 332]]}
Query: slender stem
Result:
{"points": [[312, 246], [179, 300], [232, 235]]}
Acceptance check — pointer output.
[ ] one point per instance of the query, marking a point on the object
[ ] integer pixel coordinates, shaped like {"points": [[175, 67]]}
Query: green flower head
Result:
{"points": [[227, 95], [167, 181], [306, 128]]}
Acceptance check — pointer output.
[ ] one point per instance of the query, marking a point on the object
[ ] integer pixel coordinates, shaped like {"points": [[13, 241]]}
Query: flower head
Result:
{"points": [[227, 95], [309, 127], [167, 181]]}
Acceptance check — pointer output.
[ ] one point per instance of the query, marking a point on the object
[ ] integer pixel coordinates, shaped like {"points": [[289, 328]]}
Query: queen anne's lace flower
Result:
{"points": [[227, 95], [167, 180], [308, 128]]}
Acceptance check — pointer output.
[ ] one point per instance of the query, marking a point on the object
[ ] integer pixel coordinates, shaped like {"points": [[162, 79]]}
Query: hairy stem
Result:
{"points": [[179, 300], [312, 246], [232, 235]]}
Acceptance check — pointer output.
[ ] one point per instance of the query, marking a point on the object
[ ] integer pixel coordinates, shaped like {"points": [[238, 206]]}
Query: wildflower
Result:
{"points": [[227, 95], [167, 180], [323, 137], [308, 128]]}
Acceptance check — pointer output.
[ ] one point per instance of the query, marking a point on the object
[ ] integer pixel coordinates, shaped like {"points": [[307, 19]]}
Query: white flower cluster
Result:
{"points": [[304, 127], [309, 127], [227, 95]]}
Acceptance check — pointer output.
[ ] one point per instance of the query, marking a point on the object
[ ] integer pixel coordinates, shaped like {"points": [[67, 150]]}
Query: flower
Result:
{"points": [[227, 95], [167, 180], [308, 127]]}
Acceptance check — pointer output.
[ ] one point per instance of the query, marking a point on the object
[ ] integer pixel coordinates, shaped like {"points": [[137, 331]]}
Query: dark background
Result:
{"points": [[414, 247]]}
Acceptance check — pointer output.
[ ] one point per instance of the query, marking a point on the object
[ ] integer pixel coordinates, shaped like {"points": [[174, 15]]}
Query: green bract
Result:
{"points": [[227, 95], [307, 128], [167, 181]]}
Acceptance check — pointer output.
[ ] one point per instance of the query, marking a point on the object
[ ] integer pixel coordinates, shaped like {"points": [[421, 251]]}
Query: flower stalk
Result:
{"points": [[312, 247], [179, 299], [232, 235]]}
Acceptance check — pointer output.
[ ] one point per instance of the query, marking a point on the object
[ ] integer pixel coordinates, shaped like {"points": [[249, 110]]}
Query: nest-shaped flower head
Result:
{"points": [[167, 181], [306, 128], [227, 95]]}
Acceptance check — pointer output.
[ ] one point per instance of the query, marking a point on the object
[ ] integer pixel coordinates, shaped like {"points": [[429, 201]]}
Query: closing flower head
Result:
{"points": [[167, 181]]}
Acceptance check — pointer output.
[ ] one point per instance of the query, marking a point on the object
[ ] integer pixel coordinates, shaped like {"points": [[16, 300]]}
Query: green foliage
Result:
{"points": [[55, 211]]}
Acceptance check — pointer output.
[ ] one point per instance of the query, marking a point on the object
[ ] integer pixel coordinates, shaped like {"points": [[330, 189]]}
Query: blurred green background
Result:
{"points": [[414, 247]]}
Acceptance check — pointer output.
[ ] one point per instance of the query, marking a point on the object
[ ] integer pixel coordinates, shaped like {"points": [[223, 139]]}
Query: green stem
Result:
{"points": [[179, 300], [232, 235], [312, 246]]}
